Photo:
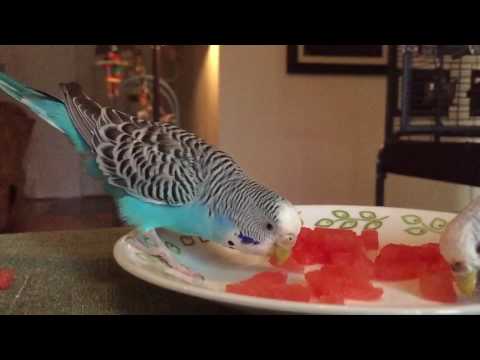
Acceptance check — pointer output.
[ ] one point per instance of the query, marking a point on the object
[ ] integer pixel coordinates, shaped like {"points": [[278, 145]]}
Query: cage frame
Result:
{"points": [[453, 162]]}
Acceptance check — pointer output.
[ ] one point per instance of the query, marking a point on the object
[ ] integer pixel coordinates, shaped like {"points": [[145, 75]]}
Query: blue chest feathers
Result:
{"points": [[193, 219]]}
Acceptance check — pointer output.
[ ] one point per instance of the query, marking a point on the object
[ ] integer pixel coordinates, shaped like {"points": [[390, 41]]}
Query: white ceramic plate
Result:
{"points": [[219, 265]]}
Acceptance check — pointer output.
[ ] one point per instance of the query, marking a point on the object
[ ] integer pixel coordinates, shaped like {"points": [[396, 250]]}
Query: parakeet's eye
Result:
{"points": [[269, 227], [477, 249], [458, 267]]}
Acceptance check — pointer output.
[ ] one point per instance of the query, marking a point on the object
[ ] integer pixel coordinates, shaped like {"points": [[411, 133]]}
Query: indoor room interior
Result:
{"points": [[384, 128], [312, 137]]}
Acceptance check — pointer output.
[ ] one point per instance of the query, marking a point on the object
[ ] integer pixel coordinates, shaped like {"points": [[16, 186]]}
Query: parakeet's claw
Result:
{"points": [[151, 244]]}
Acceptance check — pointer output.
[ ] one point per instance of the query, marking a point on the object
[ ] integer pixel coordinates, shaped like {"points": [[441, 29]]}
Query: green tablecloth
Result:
{"points": [[74, 272]]}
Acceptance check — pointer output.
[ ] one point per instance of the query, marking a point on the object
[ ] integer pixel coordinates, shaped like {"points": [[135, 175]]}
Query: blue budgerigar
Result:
{"points": [[164, 177]]}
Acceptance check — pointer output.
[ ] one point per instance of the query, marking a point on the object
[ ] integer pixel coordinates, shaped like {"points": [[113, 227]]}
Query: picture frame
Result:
{"points": [[338, 59]]}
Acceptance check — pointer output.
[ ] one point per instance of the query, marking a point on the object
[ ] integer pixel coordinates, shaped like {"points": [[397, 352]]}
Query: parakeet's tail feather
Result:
{"points": [[47, 107]]}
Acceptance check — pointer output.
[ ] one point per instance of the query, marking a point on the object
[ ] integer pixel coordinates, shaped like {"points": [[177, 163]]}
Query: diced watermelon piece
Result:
{"points": [[364, 291], [330, 299], [320, 245], [370, 239], [397, 263], [433, 260], [338, 240], [267, 278], [438, 287], [342, 258], [363, 265], [7, 277], [358, 262], [291, 265], [342, 282], [243, 289], [271, 285], [308, 250], [290, 292], [326, 281], [402, 262]]}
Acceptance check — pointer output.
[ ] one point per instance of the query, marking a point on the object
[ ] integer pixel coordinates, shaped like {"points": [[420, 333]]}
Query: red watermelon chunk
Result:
{"points": [[7, 277], [438, 287], [370, 239], [337, 240], [365, 266], [342, 281], [402, 262], [320, 245], [342, 258], [267, 278], [256, 285], [358, 263], [433, 260], [347, 271], [398, 263], [290, 292], [271, 285], [308, 250], [330, 299]]}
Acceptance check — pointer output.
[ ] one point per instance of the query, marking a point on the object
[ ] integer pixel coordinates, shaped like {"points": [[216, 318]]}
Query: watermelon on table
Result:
{"points": [[7, 277]]}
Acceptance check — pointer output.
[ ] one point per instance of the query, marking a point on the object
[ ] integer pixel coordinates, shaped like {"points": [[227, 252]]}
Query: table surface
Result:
{"points": [[74, 273]]}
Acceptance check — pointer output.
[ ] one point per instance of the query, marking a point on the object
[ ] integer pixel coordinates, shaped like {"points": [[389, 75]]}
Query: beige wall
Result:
{"points": [[198, 90], [313, 138]]}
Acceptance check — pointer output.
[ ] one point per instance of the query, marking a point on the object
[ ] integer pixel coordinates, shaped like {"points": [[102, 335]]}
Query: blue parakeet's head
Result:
{"points": [[270, 229]]}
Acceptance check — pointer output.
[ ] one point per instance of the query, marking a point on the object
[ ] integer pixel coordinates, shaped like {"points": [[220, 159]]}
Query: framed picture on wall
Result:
{"points": [[337, 59]]}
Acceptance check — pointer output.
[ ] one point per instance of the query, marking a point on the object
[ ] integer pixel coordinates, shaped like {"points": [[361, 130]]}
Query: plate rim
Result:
{"points": [[161, 280]]}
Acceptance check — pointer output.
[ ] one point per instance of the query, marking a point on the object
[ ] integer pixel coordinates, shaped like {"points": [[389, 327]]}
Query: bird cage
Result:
{"points": [[432, 128], [439, 91]]}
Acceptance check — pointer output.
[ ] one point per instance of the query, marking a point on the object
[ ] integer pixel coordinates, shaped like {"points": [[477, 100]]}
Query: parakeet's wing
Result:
{"points": [[154, 162]]}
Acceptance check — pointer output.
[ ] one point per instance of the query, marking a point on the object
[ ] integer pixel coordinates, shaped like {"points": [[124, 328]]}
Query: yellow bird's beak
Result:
{"points": [[281, 254], [467, 283]]}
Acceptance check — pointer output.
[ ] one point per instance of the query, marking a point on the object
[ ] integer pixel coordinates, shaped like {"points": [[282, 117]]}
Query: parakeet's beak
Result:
{"points": [[283, 248], [467, 283], [282, 253]]}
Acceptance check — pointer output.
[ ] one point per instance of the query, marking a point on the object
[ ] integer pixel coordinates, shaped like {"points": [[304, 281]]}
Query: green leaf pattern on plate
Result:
{"points": [[411, 219], [349, 224], [419, 227], [344, 220], [341, 214], [369, 220], [417, 231]]}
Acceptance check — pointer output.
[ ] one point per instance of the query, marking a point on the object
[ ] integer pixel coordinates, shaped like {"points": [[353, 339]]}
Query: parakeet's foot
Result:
{"points": [[151, 244]]}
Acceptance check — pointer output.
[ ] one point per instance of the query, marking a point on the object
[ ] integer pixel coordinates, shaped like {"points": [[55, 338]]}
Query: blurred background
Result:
{"points": [[312, 137]]}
